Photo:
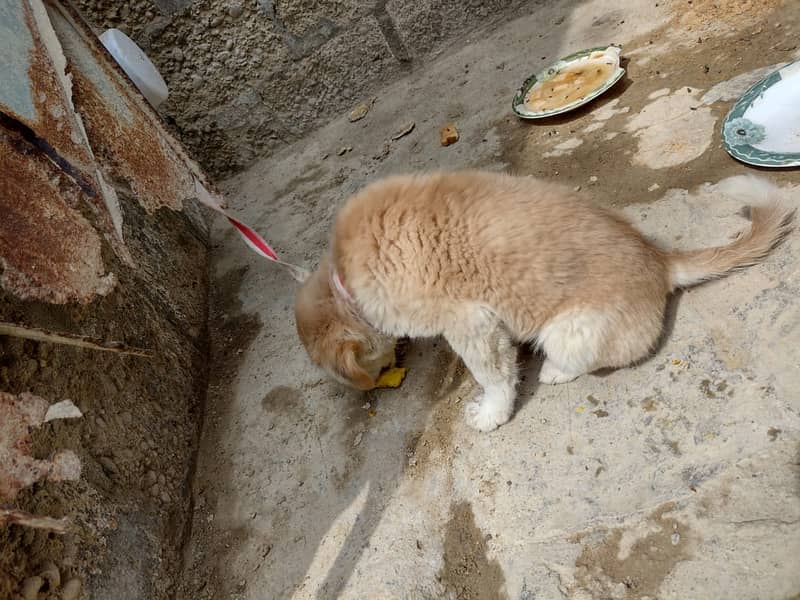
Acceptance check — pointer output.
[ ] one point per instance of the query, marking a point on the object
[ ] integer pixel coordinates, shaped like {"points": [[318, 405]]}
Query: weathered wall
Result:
{"points": [[248, 76], [100, 241]]}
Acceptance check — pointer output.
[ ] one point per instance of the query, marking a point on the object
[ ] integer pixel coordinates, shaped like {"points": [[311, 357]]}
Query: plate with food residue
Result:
{"points": [[571, 82]]}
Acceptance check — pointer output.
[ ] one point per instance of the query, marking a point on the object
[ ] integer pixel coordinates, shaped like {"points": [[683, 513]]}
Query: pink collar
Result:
{"points": [[340, 290], [339, 287]]}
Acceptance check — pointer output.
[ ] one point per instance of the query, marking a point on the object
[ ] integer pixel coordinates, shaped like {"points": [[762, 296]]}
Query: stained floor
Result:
{"points": [[674, 479]]}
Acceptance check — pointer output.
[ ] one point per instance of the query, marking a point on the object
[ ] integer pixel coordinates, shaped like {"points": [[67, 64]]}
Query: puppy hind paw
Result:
{"points": [[551, 374]]}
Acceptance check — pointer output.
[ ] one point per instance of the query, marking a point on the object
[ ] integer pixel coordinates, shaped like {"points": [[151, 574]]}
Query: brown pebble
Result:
{"points": [[52, 575], [31, 587], [359, 112], [108, 466], [448, 134], [72, 589]]}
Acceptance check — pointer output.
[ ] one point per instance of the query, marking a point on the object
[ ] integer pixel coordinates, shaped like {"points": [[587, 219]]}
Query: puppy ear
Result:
{"points": [[351, 370]]}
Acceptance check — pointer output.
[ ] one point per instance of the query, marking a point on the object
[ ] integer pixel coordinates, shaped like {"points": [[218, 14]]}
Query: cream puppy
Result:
{"points": [[488, 260]]}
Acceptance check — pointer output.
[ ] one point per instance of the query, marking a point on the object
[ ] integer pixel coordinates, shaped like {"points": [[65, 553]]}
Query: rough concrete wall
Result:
{"points": [[65, 267], [249, 76]]}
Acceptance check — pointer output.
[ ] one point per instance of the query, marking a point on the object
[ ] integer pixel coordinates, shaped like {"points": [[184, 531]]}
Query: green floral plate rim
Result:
{"points": [[740, 133], [518, 103]]}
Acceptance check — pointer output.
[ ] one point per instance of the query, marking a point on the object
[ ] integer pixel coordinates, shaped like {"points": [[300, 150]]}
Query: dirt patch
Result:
{"points": [[449, 387], [281, 399], [633, 563], [718, 15], [230, 333], [604, 155], [139, 429], [467, 572]]}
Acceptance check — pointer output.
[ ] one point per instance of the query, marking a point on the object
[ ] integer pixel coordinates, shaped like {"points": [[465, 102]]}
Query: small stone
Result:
{"points": [[448, 134], [177, 55], [404, 131], [52, 575], [593, 179], [216, 21], [675, 538], [31, 587], [72, 589], [357, 441], [150, 477], [359, 112], [577, 188], [383, 152], [229, 44], [109, 467], [165, 497], [235, 10], [344, 150]]}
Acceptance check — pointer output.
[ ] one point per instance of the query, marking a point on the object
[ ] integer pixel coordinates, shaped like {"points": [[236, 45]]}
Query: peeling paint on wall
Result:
{"points": [[45, 115], [70, 123], [48, 250], [127, 136], [18, 469]]}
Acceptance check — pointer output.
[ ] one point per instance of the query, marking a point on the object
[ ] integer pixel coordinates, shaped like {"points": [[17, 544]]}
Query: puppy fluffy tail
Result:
{"points": [[769, 226]]}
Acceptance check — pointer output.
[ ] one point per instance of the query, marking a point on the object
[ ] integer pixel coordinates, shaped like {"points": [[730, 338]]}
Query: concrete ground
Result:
{"points": [[677, 478]]}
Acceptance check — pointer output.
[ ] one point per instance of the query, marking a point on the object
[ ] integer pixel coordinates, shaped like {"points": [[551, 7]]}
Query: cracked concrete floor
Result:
{"points": [[677, 478]]}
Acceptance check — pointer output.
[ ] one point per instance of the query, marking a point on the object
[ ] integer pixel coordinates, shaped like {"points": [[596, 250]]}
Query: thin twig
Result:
{"points": [[42, 335]]}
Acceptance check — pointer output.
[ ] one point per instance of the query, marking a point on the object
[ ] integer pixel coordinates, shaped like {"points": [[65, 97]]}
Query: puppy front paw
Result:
{"points": [[489, 412]]}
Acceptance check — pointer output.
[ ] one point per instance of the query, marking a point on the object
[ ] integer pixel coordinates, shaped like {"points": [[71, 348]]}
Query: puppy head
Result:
{"points": [[347, 348]]}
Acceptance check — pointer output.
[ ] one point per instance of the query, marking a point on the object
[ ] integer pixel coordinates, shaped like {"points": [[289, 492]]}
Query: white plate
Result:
{"points": [[763, 127]]}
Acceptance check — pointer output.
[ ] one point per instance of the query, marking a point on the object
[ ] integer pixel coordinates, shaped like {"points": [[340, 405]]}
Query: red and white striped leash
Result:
{"points": [[254, 241]]}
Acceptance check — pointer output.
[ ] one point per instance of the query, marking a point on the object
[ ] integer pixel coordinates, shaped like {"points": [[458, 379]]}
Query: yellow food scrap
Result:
{"points": [[391, 378], [580, 409], [676, 361]]}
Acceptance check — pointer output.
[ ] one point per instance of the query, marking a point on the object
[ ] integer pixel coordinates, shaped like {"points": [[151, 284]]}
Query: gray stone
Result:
{"points": [[235, 10]]}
